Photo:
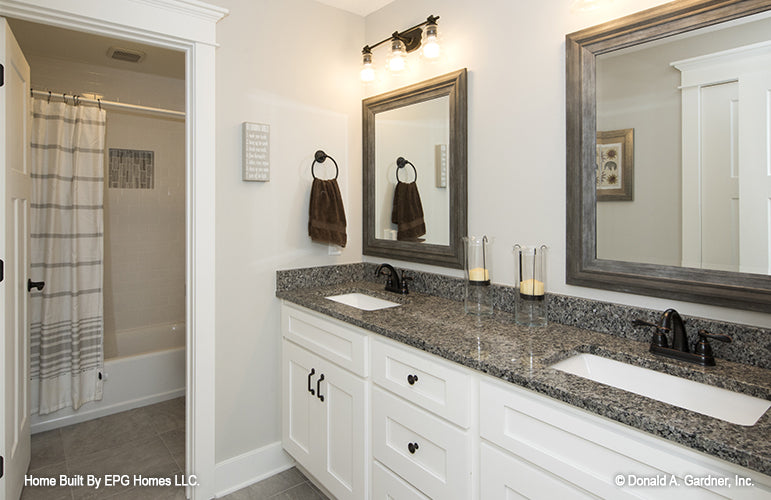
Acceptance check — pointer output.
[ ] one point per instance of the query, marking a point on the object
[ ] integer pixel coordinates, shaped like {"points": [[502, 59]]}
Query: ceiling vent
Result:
{"points": [[128, 55]]}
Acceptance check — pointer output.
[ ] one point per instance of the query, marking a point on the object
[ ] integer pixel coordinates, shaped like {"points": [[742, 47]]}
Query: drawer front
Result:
{"points": [[342, 344], [432, 384], [585, 451], [504, 476], [439, 464], [388, 486]]}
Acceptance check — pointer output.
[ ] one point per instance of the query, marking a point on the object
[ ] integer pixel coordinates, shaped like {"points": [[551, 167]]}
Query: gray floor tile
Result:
{"points": [[168, 415], [47, 449], [271, 486], [304, 491], [147, 493], [48, 492], [147, 458], [106, 433], [175, 442]]}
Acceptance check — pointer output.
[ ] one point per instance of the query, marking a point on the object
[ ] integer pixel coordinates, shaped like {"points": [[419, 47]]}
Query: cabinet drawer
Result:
{"points": [[505, 476], [433, 385], [388, 486], [583, 450], [440, 464], [342, 344]]}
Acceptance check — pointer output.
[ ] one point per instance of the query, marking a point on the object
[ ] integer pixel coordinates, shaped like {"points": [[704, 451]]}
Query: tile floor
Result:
{"points": [[148, 441]]}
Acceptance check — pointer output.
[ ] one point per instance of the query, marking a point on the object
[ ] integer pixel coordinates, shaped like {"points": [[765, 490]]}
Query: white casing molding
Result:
{"points": [[189, 26]]}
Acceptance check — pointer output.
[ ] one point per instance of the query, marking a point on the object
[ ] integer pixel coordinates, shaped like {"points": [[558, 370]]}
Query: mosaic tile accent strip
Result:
{"points": [[131, 169]]}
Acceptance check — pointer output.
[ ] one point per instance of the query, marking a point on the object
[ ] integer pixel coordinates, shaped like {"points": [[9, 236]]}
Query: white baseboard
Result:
{"points": [[241, 471], [95, 409]]}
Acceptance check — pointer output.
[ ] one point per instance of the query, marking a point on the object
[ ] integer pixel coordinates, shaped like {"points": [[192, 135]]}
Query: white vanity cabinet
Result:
{"points": [[421, 415], [423, 427], [325, 405]]}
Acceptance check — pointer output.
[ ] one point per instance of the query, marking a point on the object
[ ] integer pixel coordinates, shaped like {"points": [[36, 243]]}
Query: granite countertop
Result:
{"points": [[497, 346]]}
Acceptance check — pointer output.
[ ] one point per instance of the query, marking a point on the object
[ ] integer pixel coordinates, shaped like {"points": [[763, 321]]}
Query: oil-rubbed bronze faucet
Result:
{"points": [[393, 283], [672, 322]]}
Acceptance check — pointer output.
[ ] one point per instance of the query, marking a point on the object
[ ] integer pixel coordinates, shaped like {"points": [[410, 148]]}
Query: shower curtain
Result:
{"points": [[66, 219]]}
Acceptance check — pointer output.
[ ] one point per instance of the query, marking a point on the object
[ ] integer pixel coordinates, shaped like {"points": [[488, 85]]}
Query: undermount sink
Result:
{"points": [[363, 301], [705, 399]]}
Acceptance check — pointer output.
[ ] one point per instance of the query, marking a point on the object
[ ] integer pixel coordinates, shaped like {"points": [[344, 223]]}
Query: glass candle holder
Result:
{"points": [[478, 297], [530, 264]]}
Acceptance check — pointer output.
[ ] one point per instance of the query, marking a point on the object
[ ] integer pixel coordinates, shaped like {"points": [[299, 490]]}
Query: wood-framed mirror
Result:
{"points": [[425, 125], [590, 262]]}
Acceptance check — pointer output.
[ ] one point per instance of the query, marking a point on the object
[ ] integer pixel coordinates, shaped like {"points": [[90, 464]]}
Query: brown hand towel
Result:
{"points": [[326, 217], [407, 212]]}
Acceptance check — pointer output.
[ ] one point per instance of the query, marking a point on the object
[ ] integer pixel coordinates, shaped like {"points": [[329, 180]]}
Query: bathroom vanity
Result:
{"points": [[422, 401]]}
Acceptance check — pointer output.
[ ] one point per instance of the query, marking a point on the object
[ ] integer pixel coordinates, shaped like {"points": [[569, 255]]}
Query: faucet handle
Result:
{"points": [[659, 335], [704, 335], [703, 349], [405, 289]]}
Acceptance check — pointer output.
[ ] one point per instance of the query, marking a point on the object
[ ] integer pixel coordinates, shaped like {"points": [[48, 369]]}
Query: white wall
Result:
{"points": [[294, 65], [515, 54], [144, 242]]}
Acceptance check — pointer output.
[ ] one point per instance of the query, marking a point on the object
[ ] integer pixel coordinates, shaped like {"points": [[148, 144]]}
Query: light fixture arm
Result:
{"points": [[411, 36]]}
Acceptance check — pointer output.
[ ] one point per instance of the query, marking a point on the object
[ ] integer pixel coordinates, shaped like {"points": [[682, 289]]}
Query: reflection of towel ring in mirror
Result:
{"points": [[400, 163], [321, 157]]}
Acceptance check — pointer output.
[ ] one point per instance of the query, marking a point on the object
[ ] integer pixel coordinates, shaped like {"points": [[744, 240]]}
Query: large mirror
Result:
{"points": [[414, 196], [669, 153]]}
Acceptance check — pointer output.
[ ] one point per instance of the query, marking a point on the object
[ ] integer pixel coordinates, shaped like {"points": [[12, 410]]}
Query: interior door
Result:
{"points": [[15, 253]]}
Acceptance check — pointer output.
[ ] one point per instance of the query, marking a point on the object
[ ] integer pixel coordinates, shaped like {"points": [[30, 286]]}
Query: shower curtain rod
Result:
{"points": [[111, 104]]}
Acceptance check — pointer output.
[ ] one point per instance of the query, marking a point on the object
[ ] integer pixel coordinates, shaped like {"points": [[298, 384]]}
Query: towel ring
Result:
{"points": [[321, 157], [400, 163]]}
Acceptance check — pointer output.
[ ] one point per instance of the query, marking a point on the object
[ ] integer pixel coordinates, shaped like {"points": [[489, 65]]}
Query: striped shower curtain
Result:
{"points": [[67, 251]]}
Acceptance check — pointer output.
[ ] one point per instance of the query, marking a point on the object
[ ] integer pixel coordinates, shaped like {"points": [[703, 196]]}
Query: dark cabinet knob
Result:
{"points": [[411, 379], [412, 447], [310, 389], [318, 387], [35, 284]]}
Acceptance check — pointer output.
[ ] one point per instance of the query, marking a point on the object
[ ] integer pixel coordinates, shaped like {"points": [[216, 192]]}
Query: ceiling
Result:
{"points": [[58, 43], [360, 7]]}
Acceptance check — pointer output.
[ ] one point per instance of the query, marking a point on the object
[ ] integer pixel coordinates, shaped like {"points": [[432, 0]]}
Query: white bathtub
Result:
{"points": [[135, 378]]}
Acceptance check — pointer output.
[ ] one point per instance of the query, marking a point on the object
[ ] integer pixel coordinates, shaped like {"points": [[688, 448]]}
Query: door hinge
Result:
{"points": [[2, 264], [1, 467], [2, 75]]}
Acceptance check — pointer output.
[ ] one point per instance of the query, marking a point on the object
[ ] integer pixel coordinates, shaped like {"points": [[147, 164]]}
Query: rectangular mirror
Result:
{"points": [[414, 193], [669, 154]]}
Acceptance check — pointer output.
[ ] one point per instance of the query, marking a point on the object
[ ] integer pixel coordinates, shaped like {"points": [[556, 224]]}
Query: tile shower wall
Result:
{"points": [[144, 278]]}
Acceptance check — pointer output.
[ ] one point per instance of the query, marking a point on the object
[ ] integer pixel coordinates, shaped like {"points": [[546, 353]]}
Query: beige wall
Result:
{"points": [[144, 243]]}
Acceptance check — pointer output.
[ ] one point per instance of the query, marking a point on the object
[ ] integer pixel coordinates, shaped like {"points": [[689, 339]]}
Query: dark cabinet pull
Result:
{"points": [[318, 387], [411, 379], [310, 389], [35, 284], [412, 447]]}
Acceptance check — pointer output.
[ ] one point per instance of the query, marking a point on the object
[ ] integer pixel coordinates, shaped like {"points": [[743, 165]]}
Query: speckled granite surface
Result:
{"points": [[501, 348], [750, 345]]}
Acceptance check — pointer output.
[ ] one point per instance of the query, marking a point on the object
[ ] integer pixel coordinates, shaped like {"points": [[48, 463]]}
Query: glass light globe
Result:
{"points": [[431, 48], [397, 60], [367, 71]]}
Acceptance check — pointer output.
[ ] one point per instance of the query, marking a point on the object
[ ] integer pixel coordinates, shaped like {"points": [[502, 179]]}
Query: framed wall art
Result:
{"points": [[615, 165]]}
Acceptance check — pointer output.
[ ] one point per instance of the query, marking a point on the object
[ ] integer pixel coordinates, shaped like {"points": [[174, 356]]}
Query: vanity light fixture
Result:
{"points": [[402, 43]]}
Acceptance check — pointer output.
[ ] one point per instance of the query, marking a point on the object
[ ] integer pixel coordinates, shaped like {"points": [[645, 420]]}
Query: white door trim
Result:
{"points": [[189, 26]]}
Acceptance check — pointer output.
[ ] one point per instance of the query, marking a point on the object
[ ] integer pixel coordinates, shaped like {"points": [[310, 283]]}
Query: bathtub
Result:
{"points": [[135, 378]]}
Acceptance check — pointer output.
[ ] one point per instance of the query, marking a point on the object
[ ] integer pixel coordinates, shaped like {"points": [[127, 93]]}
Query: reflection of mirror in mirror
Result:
{"points": [[692, 204], [420, 133]]}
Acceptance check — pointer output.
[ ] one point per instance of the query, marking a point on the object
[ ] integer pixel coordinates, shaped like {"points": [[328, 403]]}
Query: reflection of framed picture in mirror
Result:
{"points": [[615, 165]]}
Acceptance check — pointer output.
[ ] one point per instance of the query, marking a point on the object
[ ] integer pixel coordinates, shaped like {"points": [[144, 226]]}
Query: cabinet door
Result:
{"points": [[301, 424], [344, 420]]}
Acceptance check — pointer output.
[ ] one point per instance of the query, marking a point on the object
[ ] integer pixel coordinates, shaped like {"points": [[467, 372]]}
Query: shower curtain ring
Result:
{"points": [[99, 102], [49, 96]]}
